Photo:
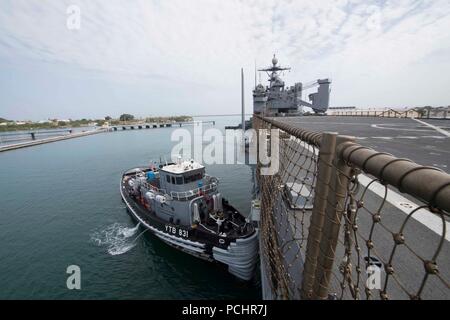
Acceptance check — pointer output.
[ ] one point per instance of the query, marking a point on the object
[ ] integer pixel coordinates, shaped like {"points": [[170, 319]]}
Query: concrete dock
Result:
{"points": [[48, 140], [113, 128], [139, 126]]}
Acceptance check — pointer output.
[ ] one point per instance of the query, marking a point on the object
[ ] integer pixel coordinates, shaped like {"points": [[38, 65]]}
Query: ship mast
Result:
{"points": [[243, 104], [255, 74], [274, 69]]}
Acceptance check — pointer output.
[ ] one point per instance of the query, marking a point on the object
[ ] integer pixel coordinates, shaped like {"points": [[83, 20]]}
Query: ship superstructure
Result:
{"points": [[277, 99]]}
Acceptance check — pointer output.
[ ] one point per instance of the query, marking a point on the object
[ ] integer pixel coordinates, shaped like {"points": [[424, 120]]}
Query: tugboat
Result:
{"points": [[182, 206]]}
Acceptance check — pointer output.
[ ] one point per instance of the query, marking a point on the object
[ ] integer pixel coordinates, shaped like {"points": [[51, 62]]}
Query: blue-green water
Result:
{"points": [[60, 206]]}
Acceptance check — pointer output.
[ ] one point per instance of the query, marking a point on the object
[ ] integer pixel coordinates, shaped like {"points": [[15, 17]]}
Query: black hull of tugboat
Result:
{"points": [[239, 255]]}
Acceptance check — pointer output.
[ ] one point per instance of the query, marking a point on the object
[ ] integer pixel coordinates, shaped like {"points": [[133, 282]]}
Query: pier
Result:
{"points": [[140, 126], [34, 133], [34, 142]]}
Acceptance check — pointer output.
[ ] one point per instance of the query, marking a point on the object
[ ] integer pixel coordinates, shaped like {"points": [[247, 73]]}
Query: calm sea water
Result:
{"points": [[60, 205]]}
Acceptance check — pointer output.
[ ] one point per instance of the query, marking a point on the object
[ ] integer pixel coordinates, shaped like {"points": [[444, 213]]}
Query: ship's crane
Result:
{"points": [[310, 85], [320, 100]]}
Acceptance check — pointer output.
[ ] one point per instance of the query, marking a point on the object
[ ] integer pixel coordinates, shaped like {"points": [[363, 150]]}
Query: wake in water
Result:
{"points": [[117, 238]]}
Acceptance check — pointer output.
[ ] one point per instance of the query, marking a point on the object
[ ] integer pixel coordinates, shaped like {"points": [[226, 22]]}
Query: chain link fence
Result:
{"points": [[340, 220]]}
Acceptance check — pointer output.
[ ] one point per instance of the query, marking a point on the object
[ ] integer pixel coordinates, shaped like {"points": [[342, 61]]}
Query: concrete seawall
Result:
{"points": [[48, 140]]}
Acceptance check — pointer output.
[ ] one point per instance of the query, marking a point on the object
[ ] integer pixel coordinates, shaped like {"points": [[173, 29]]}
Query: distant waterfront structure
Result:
{"points": [[438, 112], [399, 112], [341, 108], [277, 99]]}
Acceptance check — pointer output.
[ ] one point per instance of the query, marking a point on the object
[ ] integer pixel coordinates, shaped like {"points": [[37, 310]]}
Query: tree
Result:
{"points": [[107, 118], [126, 117]]}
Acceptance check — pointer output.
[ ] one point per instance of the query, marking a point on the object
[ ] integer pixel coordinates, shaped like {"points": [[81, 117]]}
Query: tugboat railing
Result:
{"points": [[182, 195], [185, 195], [153, 188]]}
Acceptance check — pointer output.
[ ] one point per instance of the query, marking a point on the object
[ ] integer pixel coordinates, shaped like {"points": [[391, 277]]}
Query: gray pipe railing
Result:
{"points": [[428, 184], [335, 168]]}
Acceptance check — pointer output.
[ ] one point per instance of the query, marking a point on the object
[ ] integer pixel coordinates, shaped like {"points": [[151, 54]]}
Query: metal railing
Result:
{"points": [[377, 228], [186, 195], [211, 185], [149, 186], [421, 113], [386, 113]]}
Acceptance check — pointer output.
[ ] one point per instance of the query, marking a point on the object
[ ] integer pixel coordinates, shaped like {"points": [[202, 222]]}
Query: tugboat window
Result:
{"points": [[179, 180], [168, 179], [193, 178]]}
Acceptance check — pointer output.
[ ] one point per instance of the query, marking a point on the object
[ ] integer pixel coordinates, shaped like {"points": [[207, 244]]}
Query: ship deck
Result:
{"points": [[426, 142], [404, 138]]}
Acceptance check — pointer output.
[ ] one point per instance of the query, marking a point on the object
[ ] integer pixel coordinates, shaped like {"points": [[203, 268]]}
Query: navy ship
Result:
{"points": [[181, 205], [277, 99]]}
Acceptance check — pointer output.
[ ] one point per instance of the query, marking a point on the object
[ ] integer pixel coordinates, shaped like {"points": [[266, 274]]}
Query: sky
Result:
{"points": [[94, 58]]}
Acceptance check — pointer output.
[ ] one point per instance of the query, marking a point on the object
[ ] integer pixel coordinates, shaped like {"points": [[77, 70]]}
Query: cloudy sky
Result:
{"points": [[184, 57]]}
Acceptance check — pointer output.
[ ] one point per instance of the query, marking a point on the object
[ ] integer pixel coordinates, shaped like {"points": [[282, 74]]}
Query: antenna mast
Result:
{"points": [[255, 73], [243, 103]]}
